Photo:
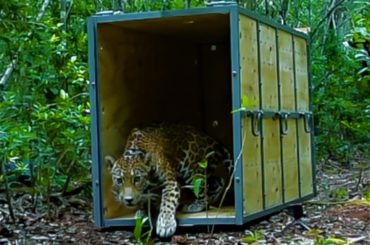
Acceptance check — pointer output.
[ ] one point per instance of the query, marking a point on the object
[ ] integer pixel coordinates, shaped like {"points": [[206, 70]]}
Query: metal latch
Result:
{"points": [[284, 123], [307, 120]]}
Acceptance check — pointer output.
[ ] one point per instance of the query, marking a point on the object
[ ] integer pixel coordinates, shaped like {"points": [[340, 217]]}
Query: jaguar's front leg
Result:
{"points": [[166, 222]]}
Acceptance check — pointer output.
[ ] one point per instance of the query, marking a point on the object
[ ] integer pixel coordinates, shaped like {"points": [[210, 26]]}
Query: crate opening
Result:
{"points": [[173, 69]]}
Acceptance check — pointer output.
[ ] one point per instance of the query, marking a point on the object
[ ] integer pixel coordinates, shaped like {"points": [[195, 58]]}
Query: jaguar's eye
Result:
{"points": [[119, 180], [137, 179]]}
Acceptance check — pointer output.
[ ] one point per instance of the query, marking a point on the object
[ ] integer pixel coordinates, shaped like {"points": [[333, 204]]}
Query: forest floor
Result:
{"points": [[337, 215]]}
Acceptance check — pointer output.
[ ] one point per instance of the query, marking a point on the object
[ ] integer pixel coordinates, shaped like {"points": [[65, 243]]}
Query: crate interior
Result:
{"points": [[174, 69]]}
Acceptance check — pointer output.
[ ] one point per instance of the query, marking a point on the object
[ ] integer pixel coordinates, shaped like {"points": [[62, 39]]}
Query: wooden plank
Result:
{"points": [[287, 103], [249, 61], [272, 162], [305, 160], [268, 68], [291, 184], [286, 72], [271, 129], [252, 176], [303, 105], [302, 86]]}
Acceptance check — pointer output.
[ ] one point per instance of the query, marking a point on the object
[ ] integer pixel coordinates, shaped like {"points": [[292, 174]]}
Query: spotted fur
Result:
{"points": [[168, 156]]}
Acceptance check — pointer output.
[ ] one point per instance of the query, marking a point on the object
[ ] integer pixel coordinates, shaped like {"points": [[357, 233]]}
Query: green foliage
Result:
{"points": [[340, 194], [44, 108], [253, 237], [197, 184], [199, 179], [246, 104], [330, 241], [341, 88], [150, 5], [138, 231], [366, 193]]}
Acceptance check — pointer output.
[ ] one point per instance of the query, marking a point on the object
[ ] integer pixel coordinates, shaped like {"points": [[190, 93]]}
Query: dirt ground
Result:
{"points": [[347, 218]]}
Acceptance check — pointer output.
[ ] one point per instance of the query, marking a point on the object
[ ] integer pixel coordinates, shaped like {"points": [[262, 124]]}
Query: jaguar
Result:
{"points": [[167, 156]]}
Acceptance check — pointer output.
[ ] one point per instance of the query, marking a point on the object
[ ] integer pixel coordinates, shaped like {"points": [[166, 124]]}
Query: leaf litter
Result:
{"points": [[343, 219]]}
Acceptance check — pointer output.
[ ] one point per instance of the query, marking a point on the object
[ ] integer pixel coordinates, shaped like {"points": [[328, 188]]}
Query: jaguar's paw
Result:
{"points": [[166, 225]]}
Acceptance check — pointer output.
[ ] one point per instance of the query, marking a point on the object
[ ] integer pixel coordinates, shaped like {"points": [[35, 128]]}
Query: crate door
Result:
{"points": [[276, 135]]}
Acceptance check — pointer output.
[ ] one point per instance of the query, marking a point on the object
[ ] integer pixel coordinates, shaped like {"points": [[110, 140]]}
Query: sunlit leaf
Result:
{"points": [[197, 184]]}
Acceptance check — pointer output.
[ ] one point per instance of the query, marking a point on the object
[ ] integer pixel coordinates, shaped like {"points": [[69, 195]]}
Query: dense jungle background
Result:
{"points": [[45, 159]]}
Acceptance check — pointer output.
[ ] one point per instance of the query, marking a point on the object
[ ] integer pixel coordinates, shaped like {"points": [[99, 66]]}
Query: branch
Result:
{"points": [[231, 181], [328, 14], [10, 68]]}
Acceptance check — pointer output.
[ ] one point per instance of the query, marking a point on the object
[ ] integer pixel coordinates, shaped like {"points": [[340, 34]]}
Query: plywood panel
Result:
{"points": [[289, 141], [302, 85], [268, 68], [272, 162], [249, 61], [252, 175], [305, 160], [271, 129], [215, 76], [287, 103], [205, 28], [301, 70], [286, 71]]}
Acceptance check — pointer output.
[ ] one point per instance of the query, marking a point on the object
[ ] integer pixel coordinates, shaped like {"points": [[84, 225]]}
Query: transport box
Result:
{"points": [[240, 77]]}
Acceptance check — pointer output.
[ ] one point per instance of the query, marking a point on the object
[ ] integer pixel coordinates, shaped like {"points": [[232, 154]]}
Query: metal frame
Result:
{"points": [[310, 84], [237, 134], [281, 118], [297, 124], [95, 127], [260, 120], [234, 12]]}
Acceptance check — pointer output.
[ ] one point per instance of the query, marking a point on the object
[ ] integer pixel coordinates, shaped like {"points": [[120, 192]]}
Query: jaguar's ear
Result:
{"points": [[110, 161]]}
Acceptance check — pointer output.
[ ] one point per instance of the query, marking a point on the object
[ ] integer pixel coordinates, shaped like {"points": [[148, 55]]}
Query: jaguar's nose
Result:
{"points": [[129, 200]]}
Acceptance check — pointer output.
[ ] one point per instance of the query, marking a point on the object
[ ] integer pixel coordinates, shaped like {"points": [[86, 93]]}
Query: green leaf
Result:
{"points": [[335, 241], [247, 102], [253, 237], [197, 184], [203, 164], [139, 224], [63, 94]]}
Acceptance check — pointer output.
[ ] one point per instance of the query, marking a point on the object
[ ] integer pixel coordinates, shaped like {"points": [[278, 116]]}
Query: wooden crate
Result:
{"points": [[197, 66]]}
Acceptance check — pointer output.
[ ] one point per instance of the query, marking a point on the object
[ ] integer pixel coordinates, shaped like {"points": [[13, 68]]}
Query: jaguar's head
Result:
{"points": [[130, 176]]}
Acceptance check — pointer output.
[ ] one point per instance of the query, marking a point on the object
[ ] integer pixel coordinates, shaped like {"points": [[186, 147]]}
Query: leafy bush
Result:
{"points": [[341, 91], [44, 108]]}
